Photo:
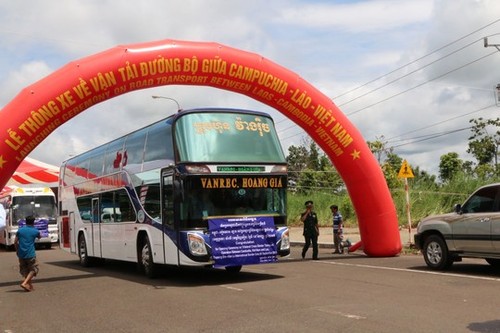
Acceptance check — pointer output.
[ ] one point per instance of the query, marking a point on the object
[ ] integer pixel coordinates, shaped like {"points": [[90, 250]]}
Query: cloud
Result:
{"points": [[15, 80], [359, 16]]}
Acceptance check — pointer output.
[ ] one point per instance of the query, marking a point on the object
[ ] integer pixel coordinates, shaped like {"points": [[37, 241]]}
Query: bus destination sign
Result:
{"points": [[240, 168]]}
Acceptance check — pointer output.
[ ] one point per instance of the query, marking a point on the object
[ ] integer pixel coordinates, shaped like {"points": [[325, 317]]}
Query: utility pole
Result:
{"points": [[497, 95], [497, 88], [486, 44]]}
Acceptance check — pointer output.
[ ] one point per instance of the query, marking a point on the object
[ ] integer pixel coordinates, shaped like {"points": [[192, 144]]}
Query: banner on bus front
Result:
{"points": [[242, 241]]}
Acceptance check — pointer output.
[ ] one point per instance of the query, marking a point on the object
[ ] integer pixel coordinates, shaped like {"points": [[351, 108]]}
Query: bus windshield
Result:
{"points": [[216, 136], [37, 206]]}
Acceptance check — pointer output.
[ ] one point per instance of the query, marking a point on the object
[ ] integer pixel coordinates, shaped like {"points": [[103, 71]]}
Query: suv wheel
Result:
{"points": [[436, 253]]}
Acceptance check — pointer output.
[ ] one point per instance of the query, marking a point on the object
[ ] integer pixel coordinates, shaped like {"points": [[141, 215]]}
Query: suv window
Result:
{"points": [[482, 201]]}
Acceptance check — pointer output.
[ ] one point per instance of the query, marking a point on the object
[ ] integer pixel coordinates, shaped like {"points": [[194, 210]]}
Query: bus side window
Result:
{"points": [[84, 205], [126, 210], [106, 207]]}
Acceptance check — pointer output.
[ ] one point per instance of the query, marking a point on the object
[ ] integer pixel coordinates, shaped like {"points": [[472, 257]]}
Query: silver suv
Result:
{"points": [[473, 231]]}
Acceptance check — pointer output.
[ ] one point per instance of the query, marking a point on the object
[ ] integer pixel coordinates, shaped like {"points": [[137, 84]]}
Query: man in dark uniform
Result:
{"points": [[311, 231]]}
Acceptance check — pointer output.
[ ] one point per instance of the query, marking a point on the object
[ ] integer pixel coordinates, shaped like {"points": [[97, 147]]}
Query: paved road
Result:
{"points": [[341, 293]]}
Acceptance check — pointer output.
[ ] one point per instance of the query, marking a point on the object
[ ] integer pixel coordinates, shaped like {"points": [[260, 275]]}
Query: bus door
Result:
{"points": [[10, 226], [170, 232], [96, 228], [72, 233]]}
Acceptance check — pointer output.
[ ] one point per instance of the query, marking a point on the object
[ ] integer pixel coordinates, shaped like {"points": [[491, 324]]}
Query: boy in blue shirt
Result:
{"points": [[337, 228], [25, 249]]}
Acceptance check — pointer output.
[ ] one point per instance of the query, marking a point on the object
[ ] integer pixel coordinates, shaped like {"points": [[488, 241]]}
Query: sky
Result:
{"points": [[411, 73]]}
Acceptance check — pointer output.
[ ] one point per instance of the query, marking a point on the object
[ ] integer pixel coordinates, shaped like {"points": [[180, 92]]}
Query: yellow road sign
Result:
{"points": [[405, 171]]}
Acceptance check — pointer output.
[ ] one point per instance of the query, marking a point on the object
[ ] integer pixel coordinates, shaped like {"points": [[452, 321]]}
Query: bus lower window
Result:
{"points": [[115, 206]]}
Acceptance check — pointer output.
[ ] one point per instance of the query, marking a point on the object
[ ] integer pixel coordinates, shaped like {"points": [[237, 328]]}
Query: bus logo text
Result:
{"points": [[244, 182]]}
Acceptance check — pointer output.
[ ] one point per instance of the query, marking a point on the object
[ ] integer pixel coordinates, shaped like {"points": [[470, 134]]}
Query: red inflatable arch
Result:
{"points": [[42, 107]]}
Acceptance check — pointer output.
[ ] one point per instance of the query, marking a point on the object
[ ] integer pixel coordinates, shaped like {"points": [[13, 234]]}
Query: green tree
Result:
{"points": [[391, 176], [313, 162], [388, 161], [484, 171], [449, 166], [468, 167], [390, 168], [484, 141], [379, 148], [394, 160], [307, 181], [297, 160], [330, 180], [423, 180], [324, 162], [312, 170]]}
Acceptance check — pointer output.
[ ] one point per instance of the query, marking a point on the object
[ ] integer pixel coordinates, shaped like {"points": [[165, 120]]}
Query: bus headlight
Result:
{"points": [[196, 244], [285, 241]]}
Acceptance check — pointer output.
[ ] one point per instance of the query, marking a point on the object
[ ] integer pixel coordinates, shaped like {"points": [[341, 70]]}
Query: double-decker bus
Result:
{"points": [[19, 202], [203, 187]]}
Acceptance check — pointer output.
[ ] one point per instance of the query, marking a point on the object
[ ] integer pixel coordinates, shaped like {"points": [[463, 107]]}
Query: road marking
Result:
{"points": [[343, 314], [230, 288], [410, 270]]}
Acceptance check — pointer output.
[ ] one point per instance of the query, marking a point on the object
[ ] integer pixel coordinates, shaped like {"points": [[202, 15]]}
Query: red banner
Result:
{"points": [[42, 107]]}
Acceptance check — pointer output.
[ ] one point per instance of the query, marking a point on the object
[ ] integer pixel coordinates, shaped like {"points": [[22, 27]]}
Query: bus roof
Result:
{"points": [[173, 118]]}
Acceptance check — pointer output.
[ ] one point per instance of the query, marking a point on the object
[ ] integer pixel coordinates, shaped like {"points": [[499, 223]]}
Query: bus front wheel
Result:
{"points": [[146, 264]]}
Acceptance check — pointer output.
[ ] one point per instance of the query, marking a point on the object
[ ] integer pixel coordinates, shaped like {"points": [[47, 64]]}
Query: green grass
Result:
{"points": [[423, 202], [322, 203]]}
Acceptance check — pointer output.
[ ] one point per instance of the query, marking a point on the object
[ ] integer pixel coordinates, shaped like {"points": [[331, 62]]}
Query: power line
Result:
{"points": [[409, 73], [441, 122], [418, 59], [423, 137], [432, 136], [289, 127], [421, 84]]}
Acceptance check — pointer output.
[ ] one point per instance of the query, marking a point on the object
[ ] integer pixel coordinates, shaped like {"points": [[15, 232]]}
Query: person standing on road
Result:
{"points": [[311, 230], [337, 228], [25, 249]]}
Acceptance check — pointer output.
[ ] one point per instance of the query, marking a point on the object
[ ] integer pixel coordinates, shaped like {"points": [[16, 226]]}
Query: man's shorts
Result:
{"points": [[28, 265]]}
